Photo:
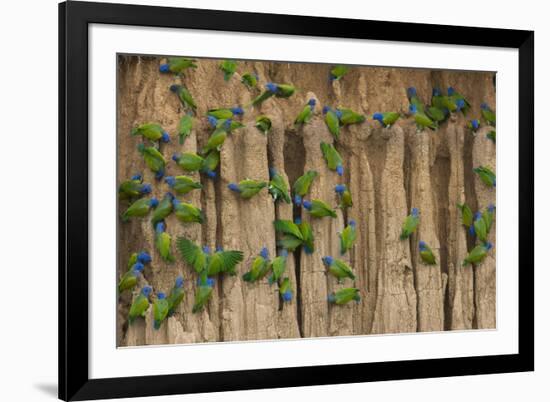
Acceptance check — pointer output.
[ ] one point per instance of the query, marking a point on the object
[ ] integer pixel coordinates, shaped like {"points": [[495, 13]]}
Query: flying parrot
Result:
{"points": [[332, 121], [260, 267], [228, 67], [295, 234], [319, 209], [278, 266], [250, 79], [344, 296], [348, 237], [130, 278], [186, 212], [161, 306], [338, 268], [278, 187], [306, 114], [414, 100], [301, 186], [223, 261], [477, 254], [185, 127], [480, 227], [177, 65], [133, 188], [488, 114], [422, 121], [263, 123], [139, 305], [285, 290], [473, 125], [163, 242], [386, 119], [486, 175], [467, 217], [184, 96], [153, 159], [345, 196], [182, 184], [176, 296], [348, 116], [426, 253], [492, 135], [333, 158], [203, 293], [410, 224], [163, 209], [226, 113], [247, 188], [139, 208], [192, 254], [338, 72], [489, 216], [460, 101]]}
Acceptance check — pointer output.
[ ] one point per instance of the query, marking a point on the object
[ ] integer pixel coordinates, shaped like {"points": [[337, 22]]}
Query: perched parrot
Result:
{"points": [[295, 234], [211, 162], [223, 261], [133, 188], [163, 242], [152, 132], [203, 294], [302, 184], [142, 257], [278, 266], [338, 72], [130, 278], [345, 196], [386, 119], [184, 96], [306, 114], [467, 217], [344, 296], [260, 267], [263, 123], [440, 102], [163, 209], [278, 187], [250, 79], [185, 127], [182, 184], [186, 212], [277, 90], [473, 125], [461, 103], [160, 310], [436, 114], [489, 216], [228, 67], [477, 254], [226, 113], [414, 100], [153, 159], [348, 237], [480, 227], [422, 121], [348, 116], [488, 114], [307, 234], [410, 224], [333, 158], [139, 305], [338, 268], [332, 121], [492, 135], [319, 209], [177, 65], [192, 254], [486, 175], [426, 253], [192, 162], [217, 138], [139, 208], [247, 188], [285, 290], [176, 296]]}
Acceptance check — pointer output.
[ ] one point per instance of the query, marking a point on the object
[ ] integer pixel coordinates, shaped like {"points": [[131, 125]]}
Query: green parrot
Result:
{"points": [[185, 127], [163, 242], [130, 278], [492, 135], [151, 131], [333, 158], [260, 267], [348, 116], [143, 257], [182, 184], [153, 159], [332, 121], [250, 79], [345, 196], [139, 208], [306, 114], [477, 254], [161, 306], [263, 123], [203, 294], [486, 175], [228, 67], [386, 119], [410, 224], [489, 216], [229, 124], [473, 125], [176, 296], [272, 89], [278, 187], [193, 254], [338, 268], [140, 305], [133, 188], [223, 261], [480, 227], [285, 290], [225, 113], [278, 266], [457, 99], [344, 296], [211, 162], [163, 209], [247, 188], [467, 217], [216, 139], [187, 213], [338, 72], [177, 65], [184, 96], [192, 162], [319, 209], [426, 253], [488, 114], [414, 100], [436, 114], [295, 234], [302, 185], [422, 121], [348, 237]]}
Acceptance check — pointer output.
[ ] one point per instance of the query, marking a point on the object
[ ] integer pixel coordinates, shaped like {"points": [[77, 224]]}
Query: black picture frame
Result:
{"points": [[74, 18]]}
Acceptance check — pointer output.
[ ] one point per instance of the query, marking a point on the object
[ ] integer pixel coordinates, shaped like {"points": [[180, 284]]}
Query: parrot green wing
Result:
{"points": [[163, 209], [350, 117], [409, 226], [347, 238], [250, 188], [129, 189], [132, 260], [160, 312], [307, 235], [427, 256], [220, 113], [436, 113], [249, 80], [211, 161], [228, 67], [302, 184], [174, 299], [389, 118], [288, 227], [304, 116], [263, 123], [346, 295], [127, 282], [153, 159], [202, 296], [320, 209], [188, 213], [481, 229], [344, 269], [138, 308], [331, 155], [229, 260], [261, 98], [216, 140], [163, 242], [139, 209], [279, 189], [475, 256], [284, 286], [191, 253], [333, 124], [278, 266], [338, 72], [185, 127], [423, 121], [190, 161], [285, 90], [467, 215]]}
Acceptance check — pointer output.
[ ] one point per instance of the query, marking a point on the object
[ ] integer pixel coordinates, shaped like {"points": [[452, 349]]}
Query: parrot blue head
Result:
{"points": [[271, 87], [411, 91], [352, 223], [227, 124], [160, 227], [307, 205], [378, 116], [138, 267], [146, 291], [477, 216], [174, 88], [212, 121], [459, 104], [450, 91], [219, 249], [414, 212], [272, 172], [284, 253], [211, 174], [484, 106], [234, 187], [297, 200], [170, 180], [326, 109], [287, 296], [237, 111], [264, 253], [328, 260], [159, 175], [176, 157], [491, 208], [209, 282], [312, 102], [165, 137], [338, 114], [164, 68], [422, 245], [412, 109], [298, 221], [475, 124], [144, 257], [340, 170], [206, 249], [488, 246], [179, 281], [153, 202], [331, 298], [136, 177], [472, 230], [340, 188], [145, 189], [161, 295], [175, 202], [436, 92]]}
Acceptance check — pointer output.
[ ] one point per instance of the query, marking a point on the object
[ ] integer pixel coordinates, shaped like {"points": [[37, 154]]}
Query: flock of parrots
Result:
{"points": [[292, 234]]}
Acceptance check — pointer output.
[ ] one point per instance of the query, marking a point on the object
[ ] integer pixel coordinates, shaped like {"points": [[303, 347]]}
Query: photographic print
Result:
{"points": [[262, 200]]}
